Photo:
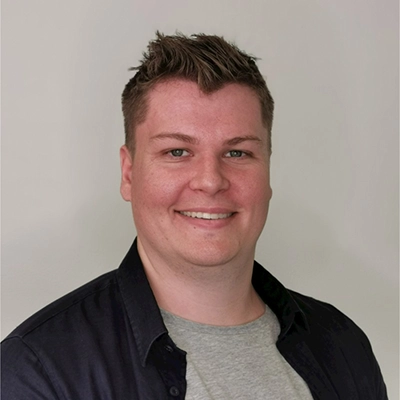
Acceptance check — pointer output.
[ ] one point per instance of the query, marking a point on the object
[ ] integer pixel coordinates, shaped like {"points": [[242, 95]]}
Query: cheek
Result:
{"points": [[156, 190], [258, 201], [257, 188]]}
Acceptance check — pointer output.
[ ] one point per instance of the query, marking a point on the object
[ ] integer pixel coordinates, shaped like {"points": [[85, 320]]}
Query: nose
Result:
{"points": [[209, 176]]}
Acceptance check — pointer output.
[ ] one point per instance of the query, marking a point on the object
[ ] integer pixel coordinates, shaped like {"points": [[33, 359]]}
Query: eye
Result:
{"points": [[235, 153], [178, 153]]}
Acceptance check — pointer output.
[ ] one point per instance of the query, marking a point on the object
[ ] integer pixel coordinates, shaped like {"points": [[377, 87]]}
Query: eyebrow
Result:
{"points": [[191, 140], [241, 139], [177, 136]]}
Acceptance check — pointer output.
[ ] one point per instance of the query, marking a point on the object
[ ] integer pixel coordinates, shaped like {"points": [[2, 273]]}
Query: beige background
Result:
{"points": [[332, 67]]}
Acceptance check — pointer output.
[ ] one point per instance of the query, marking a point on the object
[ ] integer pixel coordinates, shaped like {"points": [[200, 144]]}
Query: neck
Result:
{"points": [[218, 295]]}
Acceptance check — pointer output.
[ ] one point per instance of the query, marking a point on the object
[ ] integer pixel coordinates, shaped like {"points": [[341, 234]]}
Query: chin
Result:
{"points": [[211, 255]]}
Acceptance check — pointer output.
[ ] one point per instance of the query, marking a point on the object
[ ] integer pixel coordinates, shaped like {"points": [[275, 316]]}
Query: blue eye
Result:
{"points": [[178, 153], [235, 153]]}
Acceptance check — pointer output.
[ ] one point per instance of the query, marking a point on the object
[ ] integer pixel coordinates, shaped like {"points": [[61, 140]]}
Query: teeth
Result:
{"points": [[205, 215]]}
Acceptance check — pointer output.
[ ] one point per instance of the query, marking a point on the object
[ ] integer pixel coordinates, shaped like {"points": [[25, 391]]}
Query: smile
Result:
{"points": [[202, 215]]}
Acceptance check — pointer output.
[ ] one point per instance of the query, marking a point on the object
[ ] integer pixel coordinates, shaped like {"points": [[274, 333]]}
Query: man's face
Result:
{"points": [[199, 179]]}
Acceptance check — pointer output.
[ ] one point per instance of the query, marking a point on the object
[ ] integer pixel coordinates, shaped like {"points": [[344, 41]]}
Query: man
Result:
{"points": [[189, 314]]}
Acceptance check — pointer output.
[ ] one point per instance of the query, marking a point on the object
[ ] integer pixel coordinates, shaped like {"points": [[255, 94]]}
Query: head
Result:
{"points": [[195, 166], [208, 60]]}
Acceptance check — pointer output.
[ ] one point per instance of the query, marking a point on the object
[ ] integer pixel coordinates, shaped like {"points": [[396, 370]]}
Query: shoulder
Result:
{"points": [[330, 330], [70, 306], [321, 314], [340, 350], [50, 343]]}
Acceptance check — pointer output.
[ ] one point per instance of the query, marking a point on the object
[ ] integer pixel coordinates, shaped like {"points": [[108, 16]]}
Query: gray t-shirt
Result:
{"points": [[236, 362]]}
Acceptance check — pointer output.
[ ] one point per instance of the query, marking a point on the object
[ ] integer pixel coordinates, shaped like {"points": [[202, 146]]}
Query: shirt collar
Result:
{"points": [[279, 300], [145, 317], [141, 306]]}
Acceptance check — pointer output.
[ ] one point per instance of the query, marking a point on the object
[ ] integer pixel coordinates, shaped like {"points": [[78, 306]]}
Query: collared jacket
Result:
{"points": [[107, 340]]}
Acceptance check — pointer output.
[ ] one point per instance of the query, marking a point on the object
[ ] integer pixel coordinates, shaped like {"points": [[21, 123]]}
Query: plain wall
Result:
{"points": [[332, 67]]}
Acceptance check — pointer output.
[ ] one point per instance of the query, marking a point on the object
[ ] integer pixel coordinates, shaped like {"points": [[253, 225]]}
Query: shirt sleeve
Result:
{"points": [[23, 376]]}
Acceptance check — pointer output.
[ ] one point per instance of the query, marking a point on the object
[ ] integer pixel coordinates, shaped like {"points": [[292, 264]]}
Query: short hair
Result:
{"points": [[208, 60]]}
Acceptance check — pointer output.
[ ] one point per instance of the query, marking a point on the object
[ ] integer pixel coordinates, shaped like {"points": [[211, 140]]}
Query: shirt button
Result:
{"points": [[174, 391], [169, 348]]}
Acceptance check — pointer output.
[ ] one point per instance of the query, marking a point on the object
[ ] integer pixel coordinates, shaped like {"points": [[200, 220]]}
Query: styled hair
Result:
{"points": [[208, 60]]}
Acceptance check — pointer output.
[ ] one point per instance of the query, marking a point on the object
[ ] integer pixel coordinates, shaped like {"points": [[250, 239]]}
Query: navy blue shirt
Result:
{"points": [[107, 340]]}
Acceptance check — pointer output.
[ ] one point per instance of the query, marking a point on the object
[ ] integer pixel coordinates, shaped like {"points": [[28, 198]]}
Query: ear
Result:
{"points": [[126, 173]]}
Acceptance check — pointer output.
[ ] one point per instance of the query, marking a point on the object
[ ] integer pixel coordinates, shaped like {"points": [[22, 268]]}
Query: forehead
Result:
{"points": [[175, 102]]}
